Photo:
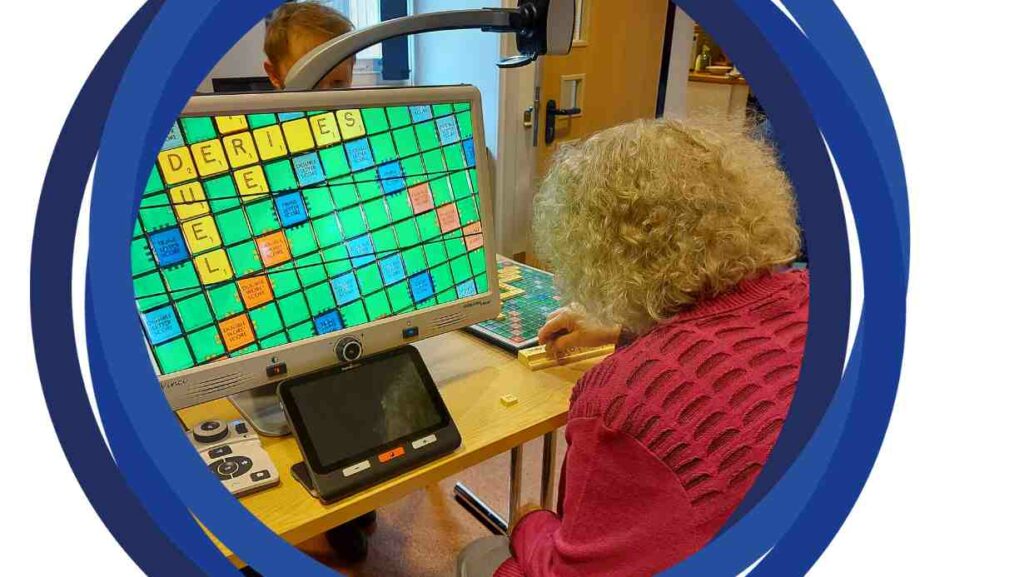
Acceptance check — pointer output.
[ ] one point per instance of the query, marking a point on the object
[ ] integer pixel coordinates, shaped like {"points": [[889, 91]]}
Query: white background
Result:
{"points": [[946, 495]]}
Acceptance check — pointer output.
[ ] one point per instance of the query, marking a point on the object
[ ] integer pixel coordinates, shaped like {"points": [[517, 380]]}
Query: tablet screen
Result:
{"points": [[347, 414]]}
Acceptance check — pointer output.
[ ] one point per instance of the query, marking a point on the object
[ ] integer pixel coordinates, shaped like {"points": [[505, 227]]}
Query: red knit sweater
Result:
{"points": [[667, 435]]}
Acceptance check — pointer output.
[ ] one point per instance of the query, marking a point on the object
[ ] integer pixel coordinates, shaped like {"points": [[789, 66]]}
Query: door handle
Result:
{"points": [[550, 112]]}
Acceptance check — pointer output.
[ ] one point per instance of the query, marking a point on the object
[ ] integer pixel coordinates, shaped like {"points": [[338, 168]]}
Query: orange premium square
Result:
{"points": [[448, 216], [255, 291], [237, 332], [474, 236], [274, 249]]}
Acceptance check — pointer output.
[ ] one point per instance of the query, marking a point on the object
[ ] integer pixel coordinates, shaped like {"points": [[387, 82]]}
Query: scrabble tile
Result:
{"points": [[241, 150], [252, 183], [176, 165], [270, 142], [189, 201], [325, 129], [229, 124], [350, 123], [298, 135], [210, 158], [201, 234], [213, 267]]}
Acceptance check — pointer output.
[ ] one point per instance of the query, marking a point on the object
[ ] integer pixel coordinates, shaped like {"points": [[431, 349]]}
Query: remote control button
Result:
{"points": [[392, 454], [241, 428], [220, 452], [241, 465], [357, 468], [223, 469], [424, 442], [260, 475]]}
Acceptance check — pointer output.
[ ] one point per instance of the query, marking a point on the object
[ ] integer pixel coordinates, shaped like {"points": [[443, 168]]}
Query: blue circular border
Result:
{"points": [[815, 82]]}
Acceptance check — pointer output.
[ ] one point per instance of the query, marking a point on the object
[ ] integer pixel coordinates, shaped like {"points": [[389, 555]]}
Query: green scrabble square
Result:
{"points": [[274, 341], [261, 120], [426, 135], [245, 259], [465, 120], [478, 260], [383, 148], [173, 356], [336, 260], [433, 162], [376, 214], [455, 245], [435, 253], [262, 217], [401, 298], [399, 116], [369, 279], [318, 201], [304, 331], [354, 314], [194, 312], [233, 227], [442, 110], [181, 279], [335, 162], [454, 157], [461, 187], [284, 281], [368, 185], [221, 193], [468, 212], [461, 271], [375, 120], [344, 193], [280, 176], [442, 277], [405, 141], [441, 190], [141, 257], [198, 129], [206, 344], [474, 181], [153, 183], [246, 351], [225, 301], [414, 260], [377, 306], [294, 309], [328, 232], [320, 298], [384, 242], [155, 212], [266, 320], [399, 206], [431, 302], [461, 106], [301, 239], [150, 291], [137, 229], [447, 296], [413, 170], [428, 225], [481, 283], [352, 223], [311, 270], [408, 234]]}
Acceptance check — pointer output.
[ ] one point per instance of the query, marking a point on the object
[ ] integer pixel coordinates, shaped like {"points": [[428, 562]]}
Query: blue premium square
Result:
{"points": [[422, 288], [391, 177], [345, 288], [328, 322], [308, 169], [161, 325], [470, 150], [169, 247], [174, 138], [359, 155], [392, 270], [466, 289], [286, 116], [448, 128], [291, 209], [360, 250], [420, 113]]}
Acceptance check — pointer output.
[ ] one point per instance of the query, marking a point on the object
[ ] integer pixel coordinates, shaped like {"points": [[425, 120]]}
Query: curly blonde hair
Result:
{"points": [[644, 219]]}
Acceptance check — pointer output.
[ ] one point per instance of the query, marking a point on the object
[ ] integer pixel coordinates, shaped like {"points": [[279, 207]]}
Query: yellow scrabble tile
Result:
{"points": [[229, 124], [509, 400], [241, 149], [189, 200], [351, 122], [325, 129], [177, 166], [201, 234], [213, 267], [210, 157], [251, 182], [298, 135], [270, 141]]}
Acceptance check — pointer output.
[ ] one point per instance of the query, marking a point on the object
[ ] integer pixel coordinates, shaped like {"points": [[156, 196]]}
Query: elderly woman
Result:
{"points": [[672, 240]]}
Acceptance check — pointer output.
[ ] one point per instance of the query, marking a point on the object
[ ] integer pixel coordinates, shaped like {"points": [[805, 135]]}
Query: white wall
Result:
{"points": [[679, 66]]}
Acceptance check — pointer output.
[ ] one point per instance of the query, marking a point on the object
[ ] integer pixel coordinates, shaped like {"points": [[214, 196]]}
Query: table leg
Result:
{"points": [[515, 484], [547, 473], [480, 510]]}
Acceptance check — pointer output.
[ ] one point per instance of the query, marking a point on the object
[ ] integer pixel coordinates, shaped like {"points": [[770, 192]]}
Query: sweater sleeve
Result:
{"points": [[620, 508]]}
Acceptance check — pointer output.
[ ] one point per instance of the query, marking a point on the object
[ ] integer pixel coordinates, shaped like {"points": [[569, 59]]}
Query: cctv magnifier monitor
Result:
{"points": [[279, 231]]}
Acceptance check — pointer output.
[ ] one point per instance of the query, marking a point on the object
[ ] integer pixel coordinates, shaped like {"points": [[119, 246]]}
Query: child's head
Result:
{"points": [[298, 27]]}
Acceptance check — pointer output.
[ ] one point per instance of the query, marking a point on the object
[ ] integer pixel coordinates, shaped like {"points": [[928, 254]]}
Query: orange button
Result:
{"points": [[392, 454]]}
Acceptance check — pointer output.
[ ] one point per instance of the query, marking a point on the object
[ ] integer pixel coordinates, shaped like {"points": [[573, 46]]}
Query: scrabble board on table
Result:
{"points": [[528, 296], [259, 230]]}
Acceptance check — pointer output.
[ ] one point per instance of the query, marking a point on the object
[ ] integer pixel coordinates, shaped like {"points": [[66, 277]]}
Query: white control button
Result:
{"points": [[357, 468], [424, 442]]}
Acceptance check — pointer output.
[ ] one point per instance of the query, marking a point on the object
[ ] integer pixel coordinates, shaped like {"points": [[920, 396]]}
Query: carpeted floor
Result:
{"points": [[421, 535]]}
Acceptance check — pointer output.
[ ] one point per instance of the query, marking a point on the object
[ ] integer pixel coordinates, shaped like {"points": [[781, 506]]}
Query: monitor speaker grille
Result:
{"points": [[449, 320], [217, 384]]}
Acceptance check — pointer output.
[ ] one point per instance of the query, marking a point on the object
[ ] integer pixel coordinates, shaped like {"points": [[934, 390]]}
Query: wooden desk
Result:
{"points": [[472, 376]]}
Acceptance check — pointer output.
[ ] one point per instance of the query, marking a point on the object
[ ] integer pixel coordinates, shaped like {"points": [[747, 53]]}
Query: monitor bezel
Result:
{"points": [[220, 379]]}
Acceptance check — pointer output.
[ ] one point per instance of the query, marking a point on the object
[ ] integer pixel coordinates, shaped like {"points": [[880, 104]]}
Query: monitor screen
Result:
{"points": [[260, 230]]}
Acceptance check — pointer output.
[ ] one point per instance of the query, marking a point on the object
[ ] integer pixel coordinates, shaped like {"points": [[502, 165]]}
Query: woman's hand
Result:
{"points": [[569, 329]]}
